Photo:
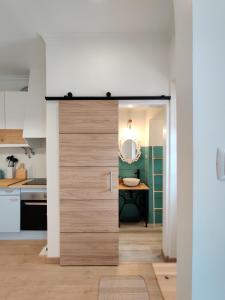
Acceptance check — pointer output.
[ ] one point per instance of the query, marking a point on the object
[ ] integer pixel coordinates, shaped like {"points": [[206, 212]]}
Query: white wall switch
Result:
{"points": [[220, 164]]}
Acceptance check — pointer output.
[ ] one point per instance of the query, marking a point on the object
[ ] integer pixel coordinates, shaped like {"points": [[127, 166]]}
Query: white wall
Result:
{"points": [[156, 129], [92, 64], [52, 150], [36, 165], [147, 124], [201, 205], [183, 30], [209, 124], [170, 236], [138, 123], [35, 109]]}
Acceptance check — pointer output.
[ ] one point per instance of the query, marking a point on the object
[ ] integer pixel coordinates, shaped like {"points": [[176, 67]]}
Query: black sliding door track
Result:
{"points": [[108, 96]]}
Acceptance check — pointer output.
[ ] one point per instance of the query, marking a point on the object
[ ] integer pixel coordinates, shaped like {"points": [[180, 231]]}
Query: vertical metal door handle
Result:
{"points": [[111, 183]]}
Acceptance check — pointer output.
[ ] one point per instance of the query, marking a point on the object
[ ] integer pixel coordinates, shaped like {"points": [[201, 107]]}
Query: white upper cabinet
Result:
{"points": [[12, 109], [2, 110], [15, 104]]}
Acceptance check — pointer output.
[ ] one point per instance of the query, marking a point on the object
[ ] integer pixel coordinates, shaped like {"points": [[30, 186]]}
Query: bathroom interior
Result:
{"points": [[142, 140]]}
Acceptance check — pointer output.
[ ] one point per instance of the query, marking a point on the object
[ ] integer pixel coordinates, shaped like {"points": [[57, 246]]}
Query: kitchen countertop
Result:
{"points": [[20, 185]]}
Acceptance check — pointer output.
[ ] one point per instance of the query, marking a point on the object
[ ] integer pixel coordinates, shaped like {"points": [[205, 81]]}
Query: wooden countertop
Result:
{"points": [[20, 184], [35, 186], [6, 182], [140, 187]]}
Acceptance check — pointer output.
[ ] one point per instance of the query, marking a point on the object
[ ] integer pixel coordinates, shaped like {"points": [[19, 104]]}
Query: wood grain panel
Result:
{"points": [[88, 183], [88, 150], [89, 249], [11, 136], [88, 116], [89, 216], [89, 208]]}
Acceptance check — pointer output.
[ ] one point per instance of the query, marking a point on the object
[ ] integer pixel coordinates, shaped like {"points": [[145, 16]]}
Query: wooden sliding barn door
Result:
{"points": [[88, 137]]}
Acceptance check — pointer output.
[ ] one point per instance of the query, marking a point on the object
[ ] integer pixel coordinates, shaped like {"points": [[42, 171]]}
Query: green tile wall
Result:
{"points": [[158, 182], [157, 160], [158, 166], [158, 200], [158, 151], [144, 164], [130, 213]]}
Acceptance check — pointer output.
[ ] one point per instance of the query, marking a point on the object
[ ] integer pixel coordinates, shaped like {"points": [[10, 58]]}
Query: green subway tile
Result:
{"points": [[157, 151], [158, 166], [158, 217], [158, 183], [150, 212], [158, 202]]}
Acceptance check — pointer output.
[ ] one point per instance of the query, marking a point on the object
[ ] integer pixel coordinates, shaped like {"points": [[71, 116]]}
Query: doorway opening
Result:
{"points": [[143, 152]]}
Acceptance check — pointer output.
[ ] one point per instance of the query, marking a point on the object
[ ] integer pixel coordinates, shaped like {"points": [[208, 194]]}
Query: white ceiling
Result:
{"points": [[22, 20]]}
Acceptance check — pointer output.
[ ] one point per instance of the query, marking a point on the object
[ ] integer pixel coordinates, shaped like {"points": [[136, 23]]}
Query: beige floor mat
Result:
{"points": [[123, 288]]}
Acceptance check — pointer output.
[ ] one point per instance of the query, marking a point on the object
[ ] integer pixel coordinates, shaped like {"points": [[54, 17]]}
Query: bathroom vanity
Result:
{"points": [[129, 196]]}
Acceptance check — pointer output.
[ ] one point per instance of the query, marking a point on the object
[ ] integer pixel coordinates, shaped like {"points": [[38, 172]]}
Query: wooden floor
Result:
{"points": [[25, 276], [140, 244], [166, 277]]}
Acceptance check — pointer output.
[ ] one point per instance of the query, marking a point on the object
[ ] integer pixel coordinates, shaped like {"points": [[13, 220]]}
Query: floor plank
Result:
{"points": [[24, 275], [166, 277], [140, 244]]}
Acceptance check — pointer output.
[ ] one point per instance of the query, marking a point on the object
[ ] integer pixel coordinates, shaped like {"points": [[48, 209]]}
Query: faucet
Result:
{"points": [[137, 173]]}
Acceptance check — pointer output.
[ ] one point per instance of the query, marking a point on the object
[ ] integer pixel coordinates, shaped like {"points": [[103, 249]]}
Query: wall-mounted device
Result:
{"points": [[220, 164]]}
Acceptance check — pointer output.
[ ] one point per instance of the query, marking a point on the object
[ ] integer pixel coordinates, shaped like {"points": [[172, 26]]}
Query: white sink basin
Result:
{"points": [[131, 181]]}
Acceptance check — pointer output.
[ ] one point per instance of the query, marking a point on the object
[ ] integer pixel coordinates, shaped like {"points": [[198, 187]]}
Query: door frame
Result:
{"points": [[168, 231]]}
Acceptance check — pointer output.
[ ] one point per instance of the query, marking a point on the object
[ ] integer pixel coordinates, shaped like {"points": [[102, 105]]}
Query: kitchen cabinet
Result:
{"points": [[9, 210], [12, 109], [15, 103]]}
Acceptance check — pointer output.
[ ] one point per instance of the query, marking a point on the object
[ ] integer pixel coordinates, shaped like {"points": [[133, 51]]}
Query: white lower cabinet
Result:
{"points": [[9, 210]]}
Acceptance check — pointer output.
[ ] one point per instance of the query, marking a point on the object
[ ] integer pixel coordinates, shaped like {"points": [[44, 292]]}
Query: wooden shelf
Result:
{"points": [[141, 186]]}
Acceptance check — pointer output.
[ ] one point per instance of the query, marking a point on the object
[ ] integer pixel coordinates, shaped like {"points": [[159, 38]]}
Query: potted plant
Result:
{"points": [[12, 161]]}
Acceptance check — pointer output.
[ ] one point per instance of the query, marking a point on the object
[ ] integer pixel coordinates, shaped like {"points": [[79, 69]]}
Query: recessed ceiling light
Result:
{"points": [[130, 106]]}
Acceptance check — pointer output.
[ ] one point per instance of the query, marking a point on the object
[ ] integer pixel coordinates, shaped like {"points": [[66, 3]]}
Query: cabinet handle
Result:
{"points": [[9, 191], [35, 203], [111, 183]]}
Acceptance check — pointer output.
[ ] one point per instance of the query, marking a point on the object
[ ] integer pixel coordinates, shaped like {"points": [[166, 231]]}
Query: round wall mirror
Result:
{"points": [[130, 150]]}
